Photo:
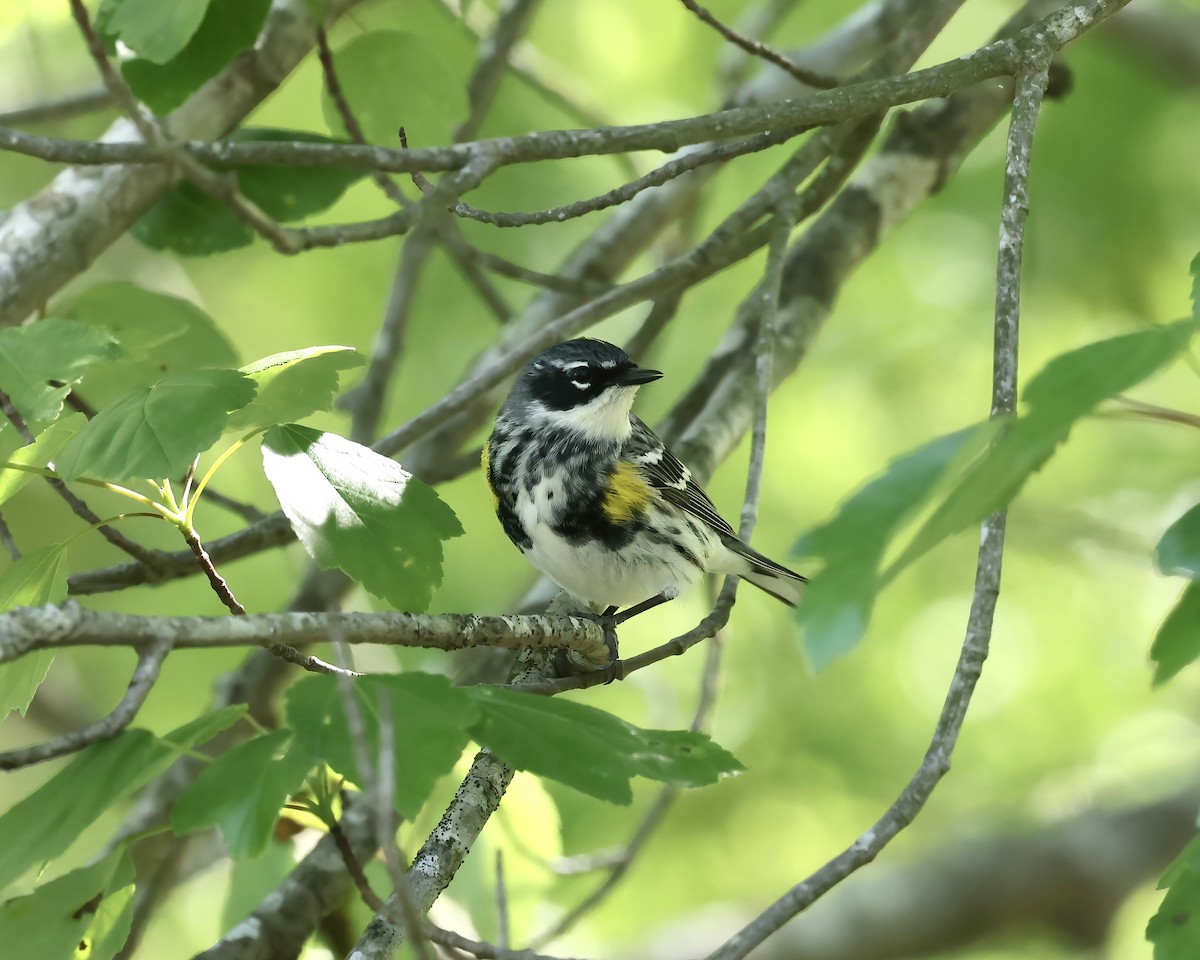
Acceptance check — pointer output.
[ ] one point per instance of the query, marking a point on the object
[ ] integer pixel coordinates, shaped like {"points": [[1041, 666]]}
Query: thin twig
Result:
{"points": [[502, 927], [492, 63], [215, 580], [7, 538], [61, 108], [759, 49], [936, 763], [150, 661], [312, 664]]}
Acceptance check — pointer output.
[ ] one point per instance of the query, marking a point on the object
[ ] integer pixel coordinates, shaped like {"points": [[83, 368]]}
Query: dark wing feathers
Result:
{"points": [[663, 471]]}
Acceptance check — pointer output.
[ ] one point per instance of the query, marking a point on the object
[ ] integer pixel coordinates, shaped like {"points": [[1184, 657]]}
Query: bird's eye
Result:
{"points": [[583, 377]]}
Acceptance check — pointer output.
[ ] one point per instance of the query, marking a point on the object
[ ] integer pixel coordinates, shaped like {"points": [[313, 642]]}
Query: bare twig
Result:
{"points": [[759, 49], [60, 108], [1030, 88], [150, 661], [494, 51], [215, 580], [7, 538], [312, 664]]}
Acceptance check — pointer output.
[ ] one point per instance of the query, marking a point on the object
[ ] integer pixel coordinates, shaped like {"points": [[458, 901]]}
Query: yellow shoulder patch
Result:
{"points": [[483, 463], [627, 494]]}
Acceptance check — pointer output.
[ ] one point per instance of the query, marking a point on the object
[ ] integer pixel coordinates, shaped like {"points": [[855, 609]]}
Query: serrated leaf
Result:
{"points": [[189, 222], [360, 512], [293, 385], [158, 334], [157, 432], [430, 718], [156, 30], [242, 791], [45, 447], [373, 65], [39, 577], [47, 821], [839, 600], [1068, 387], [588, 749], [40, 362], [1175, 928], [228, 28], [1178, 640], [58, 916], [1178, 551]]}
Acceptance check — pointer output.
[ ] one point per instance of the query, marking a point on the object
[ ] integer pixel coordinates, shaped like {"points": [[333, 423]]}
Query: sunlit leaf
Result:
{"points": [[50, 819], [242, 791], [1178, 640], [156, 30], [228, 28], [1178, 551], [59, 916], [45, 447], [189, 222], [360, 512], [429, 722], [157, 432], [372, 66], [588, 749], [293, 385], [1175, 928], [41, 361]]}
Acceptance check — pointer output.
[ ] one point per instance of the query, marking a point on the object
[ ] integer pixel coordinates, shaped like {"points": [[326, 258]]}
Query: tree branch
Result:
{"points": [[28, 629]]}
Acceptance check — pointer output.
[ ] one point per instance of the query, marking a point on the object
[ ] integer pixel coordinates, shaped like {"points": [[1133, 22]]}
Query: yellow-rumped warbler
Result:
{"points": [[595, 500]]}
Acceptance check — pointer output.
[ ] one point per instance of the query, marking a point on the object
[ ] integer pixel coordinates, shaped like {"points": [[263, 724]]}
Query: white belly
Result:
{"points": [[593, 572]]}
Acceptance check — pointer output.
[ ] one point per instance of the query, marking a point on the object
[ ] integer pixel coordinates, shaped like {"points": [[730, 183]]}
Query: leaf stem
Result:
{"points": [[190, 503]]}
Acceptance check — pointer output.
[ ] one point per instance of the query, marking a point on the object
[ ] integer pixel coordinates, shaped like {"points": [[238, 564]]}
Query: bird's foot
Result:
{"points": [[608, 623]]}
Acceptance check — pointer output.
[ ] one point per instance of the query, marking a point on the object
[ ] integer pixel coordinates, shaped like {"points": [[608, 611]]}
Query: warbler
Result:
{"points": [[596, 501]]}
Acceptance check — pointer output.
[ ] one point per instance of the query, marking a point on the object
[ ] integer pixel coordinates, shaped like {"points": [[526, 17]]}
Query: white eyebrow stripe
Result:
{"points": [[573, 364]]}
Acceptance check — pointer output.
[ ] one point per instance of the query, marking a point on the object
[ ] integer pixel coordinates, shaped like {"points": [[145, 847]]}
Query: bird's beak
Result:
{"points": [[636, 376]]}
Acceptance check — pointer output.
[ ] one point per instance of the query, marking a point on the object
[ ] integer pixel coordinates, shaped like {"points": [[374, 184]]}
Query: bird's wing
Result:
{"points": [[671, 479]]}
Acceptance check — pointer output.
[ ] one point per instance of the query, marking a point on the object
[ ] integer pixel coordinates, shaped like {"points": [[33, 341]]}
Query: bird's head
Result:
{"points": [[583, 385]]}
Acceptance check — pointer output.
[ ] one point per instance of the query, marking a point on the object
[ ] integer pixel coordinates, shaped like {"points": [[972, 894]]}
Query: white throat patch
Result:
{"points": [[605, 417]]}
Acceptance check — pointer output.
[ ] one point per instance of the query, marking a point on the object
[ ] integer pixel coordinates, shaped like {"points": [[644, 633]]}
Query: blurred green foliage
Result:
{"points": [[1065, 717]]}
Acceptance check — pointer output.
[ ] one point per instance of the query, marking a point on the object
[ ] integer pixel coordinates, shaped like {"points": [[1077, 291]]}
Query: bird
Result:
{"points": [[596, 501]]}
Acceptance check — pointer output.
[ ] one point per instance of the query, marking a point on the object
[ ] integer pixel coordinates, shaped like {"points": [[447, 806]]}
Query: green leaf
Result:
{"points": [[293, 385], [158, 334], [1194, 270], [45, 447], [1175, 928], [40, 362], [1178, 552], [242, 791], [838, 603], [430, 718], [60, 916], [47, 821], [1070, 386], [39, 577], [360, 512], [588, 749], [157, 30], [253, 879], [1178, 641], [189, 222], [228, 28], [157, 432], [372, 66]]}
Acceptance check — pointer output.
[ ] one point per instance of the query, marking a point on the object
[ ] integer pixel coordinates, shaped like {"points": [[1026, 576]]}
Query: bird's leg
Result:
{"points": [[637, 608]]}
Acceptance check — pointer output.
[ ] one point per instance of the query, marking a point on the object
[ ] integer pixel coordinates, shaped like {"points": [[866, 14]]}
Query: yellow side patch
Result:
{"points": [[483, 463], [627, 494]]}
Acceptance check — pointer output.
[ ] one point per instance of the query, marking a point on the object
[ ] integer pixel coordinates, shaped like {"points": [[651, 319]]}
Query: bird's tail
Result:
{"points": [[773, 578]]}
